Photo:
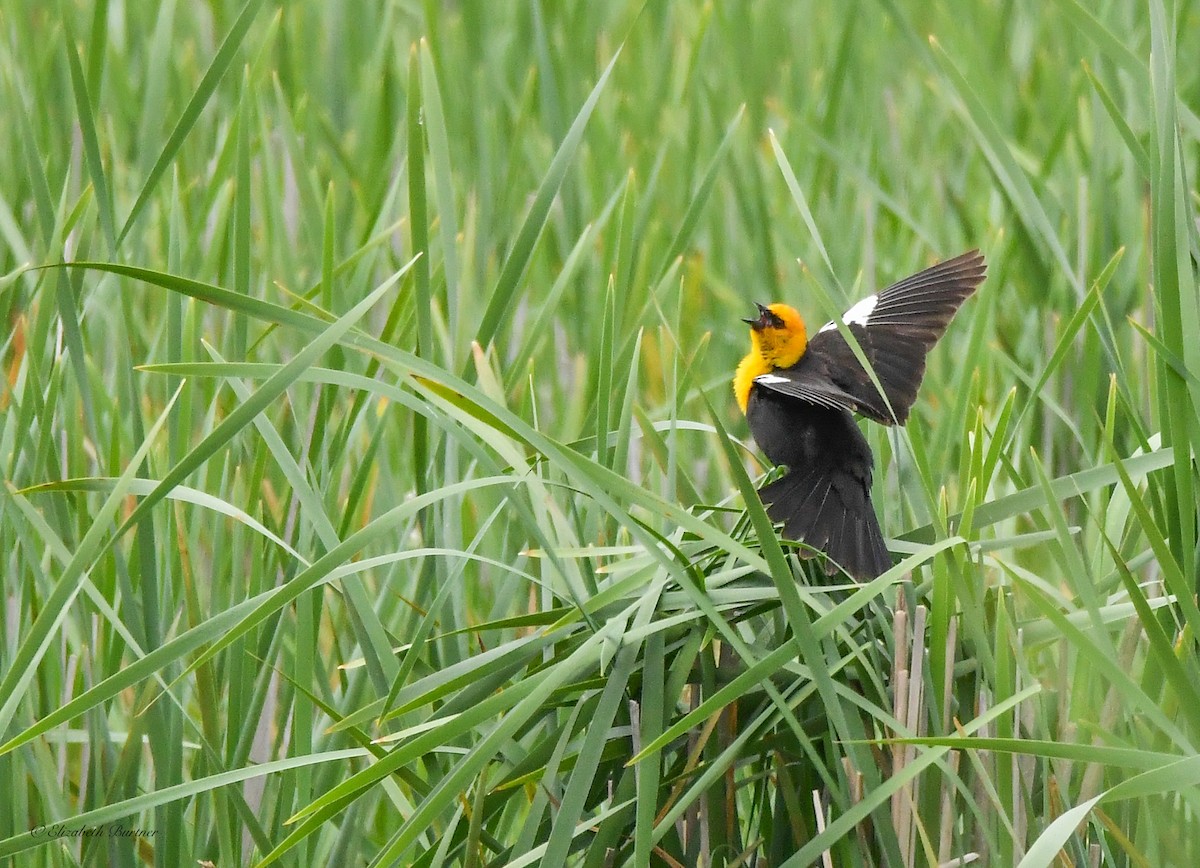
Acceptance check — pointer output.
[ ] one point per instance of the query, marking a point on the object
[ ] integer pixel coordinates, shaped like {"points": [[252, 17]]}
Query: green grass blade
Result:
{"points": [[36, 641], [191, 113], [502, 294], [268, 392], [91, 139]]}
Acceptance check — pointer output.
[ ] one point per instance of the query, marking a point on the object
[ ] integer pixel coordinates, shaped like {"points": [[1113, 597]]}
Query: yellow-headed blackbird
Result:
{"points": [[798, 396]]}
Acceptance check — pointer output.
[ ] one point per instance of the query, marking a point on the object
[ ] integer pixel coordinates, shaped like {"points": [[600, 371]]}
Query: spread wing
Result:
{"points": [[895, 329]]}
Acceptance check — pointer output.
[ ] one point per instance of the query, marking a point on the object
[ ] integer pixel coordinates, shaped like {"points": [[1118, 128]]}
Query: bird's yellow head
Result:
{"points": [[778, 339], [778, 335]]}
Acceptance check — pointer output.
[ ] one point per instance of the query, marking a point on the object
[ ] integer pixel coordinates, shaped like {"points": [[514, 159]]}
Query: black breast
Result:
{"points": [[798, 434]]}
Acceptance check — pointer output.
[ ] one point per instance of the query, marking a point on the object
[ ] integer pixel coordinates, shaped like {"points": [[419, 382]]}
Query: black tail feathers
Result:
{"points": [[828, 508]]}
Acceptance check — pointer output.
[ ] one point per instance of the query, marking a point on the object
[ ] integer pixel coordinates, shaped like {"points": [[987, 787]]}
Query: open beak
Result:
{"points": [[760, 323]]}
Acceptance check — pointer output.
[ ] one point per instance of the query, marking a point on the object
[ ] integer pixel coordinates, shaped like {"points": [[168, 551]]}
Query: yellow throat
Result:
{"points": [[778, 339]]}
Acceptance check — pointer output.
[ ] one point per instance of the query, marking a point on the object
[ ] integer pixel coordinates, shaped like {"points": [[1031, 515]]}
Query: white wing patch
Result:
{"points": [[770, 379], [860, 314]]}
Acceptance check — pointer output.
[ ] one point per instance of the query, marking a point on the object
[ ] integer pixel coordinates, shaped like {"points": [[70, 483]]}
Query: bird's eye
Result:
{"points": [[776, 320]]}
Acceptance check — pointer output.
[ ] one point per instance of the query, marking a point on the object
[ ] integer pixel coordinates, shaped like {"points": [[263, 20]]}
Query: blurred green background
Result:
{"points": [[375, 493]]}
